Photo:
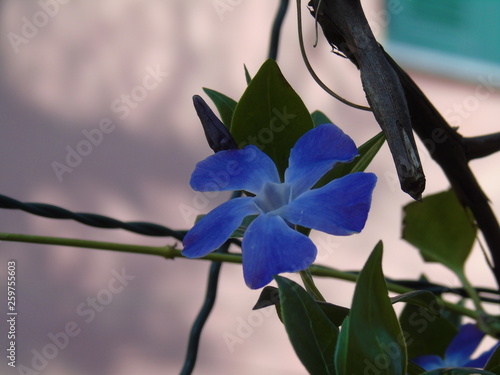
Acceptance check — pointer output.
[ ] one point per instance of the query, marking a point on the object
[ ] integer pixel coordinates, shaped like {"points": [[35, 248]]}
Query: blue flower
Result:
{"points": [[458, 353], [270, 244]]}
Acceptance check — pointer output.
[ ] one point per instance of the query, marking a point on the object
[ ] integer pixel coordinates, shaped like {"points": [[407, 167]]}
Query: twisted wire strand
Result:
{"points": [[276, 30], [93, 220], [204, 313]]}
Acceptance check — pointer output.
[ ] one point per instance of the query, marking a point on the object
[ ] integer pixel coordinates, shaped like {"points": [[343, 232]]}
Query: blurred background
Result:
{"points": [[130, 68]]}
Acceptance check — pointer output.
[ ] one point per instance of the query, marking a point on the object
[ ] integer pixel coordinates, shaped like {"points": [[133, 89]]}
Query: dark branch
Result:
{"points": [[446, 147], [346, 28], [479, 147]]}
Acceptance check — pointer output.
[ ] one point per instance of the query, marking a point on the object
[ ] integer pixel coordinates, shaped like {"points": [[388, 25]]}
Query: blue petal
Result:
{"points": [[246, 169], [463, 345], [271, 247], [315, 153], [481, 361], [429, 362], [214, 229], [340, 207]]}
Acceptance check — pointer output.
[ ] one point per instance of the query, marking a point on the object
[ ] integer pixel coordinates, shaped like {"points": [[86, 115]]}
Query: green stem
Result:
{"points": [[310, 285], [170, 252], [471, 291], [318, 270]]}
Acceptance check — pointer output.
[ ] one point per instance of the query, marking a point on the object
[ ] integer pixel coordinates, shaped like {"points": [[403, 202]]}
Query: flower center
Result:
{"points": [[273, 196]]}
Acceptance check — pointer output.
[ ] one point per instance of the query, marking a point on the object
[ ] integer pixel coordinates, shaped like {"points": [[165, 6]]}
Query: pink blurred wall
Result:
{"points": [[67, 79]]}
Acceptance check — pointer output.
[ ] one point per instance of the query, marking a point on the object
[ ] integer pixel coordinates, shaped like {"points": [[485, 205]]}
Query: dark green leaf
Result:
{"points": [[270, 296], [441, 229], [319, 118], [425, 331], [374, 342], [335, 313], [367, 152], [495, 370], [225, 105], [493, 363], [311, 333], [422, 298], [414, 369], [238, 233], [248, 77], [270, 115], [458, 371], [453, 317]]}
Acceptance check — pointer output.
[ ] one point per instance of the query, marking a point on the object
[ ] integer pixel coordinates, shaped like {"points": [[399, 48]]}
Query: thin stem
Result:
{"points": [[471, 291], [170, 252], [310, 285], [318, 270]]}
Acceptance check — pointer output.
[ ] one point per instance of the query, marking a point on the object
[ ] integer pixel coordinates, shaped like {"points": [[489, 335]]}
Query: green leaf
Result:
{"points": [[248, 77], [458, 371], [493, 363], [238, 233], [414, 369], [495, 370], [422, 298], [441, 229], [335, 313], [425, 331], [374, 342], [311, 333], [367, 152], [270, 296], [453, 317], [319, 118], [270, 115], [225, 105]]}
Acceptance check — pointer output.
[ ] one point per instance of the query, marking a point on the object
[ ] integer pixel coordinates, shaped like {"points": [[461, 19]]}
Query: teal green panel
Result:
{"points": [[468, 28]]}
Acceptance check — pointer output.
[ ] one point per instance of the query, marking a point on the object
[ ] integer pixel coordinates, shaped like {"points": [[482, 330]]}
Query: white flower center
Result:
{"points": [[273, 196]]}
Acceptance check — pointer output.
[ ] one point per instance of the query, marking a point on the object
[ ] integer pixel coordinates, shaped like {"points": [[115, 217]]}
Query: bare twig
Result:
{"points": [[479, 147], [346, 29]]}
